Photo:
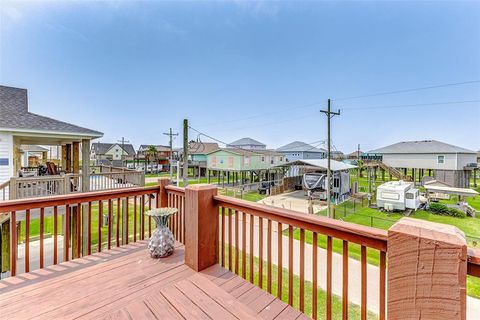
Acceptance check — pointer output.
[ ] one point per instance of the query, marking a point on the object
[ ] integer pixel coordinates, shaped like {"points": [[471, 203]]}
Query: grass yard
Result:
{"points": [[159, 175], [49, 221], [377, 219], [353, 310]]}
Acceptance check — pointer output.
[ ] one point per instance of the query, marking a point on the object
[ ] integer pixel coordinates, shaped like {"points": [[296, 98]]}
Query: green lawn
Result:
{"points": [[49, 224], [353, 310], [154, 175], [378, 219]]}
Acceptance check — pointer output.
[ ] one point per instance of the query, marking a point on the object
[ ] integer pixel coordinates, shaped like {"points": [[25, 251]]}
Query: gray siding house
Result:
{"points": [[299, 150], [450, 164]]}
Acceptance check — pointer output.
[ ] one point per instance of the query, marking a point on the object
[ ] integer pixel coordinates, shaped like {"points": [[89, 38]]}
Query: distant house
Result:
{"points": [[248, 144], [161, 157], [355, 155], [254, 165], [197, 156], [111, 154], [450, 164], [19, 126], [299, 150], [162, 151], [337, 155], [197, 151]]}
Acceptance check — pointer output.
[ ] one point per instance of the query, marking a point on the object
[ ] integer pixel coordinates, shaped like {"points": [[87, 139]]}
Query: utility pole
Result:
{"points": [[185, 152], [123, 148], [329, 115], [171, 135], [358, 163]]}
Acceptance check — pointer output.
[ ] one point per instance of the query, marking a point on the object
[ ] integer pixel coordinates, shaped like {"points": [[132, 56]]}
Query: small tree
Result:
{"points": [[150, 154]]}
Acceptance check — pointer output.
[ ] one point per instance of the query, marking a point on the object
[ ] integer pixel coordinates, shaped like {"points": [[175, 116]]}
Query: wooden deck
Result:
{"points": [[125, 283]]}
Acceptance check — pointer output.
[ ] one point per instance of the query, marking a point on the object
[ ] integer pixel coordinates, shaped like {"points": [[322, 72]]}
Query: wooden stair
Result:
{"points": [[391, 170]]}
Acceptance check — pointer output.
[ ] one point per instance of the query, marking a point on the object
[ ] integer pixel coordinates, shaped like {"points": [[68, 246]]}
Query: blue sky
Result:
{"points": [[257, 69]]}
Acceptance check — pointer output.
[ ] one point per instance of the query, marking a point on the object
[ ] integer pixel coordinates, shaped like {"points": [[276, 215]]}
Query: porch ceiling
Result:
{"points": [[49, 139]]}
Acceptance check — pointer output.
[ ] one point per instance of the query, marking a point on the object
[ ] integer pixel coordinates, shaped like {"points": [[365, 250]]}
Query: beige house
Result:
{"points": [[450, 164]]}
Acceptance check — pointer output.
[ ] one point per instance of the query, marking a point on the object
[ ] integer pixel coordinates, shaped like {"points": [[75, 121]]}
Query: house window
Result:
{"points": [[441, 159], [281, 159], [214, 161], [263, 159], [246, 160]]}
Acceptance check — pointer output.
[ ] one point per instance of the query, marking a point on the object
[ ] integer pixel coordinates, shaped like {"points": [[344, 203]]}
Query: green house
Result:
{"points": [[244, 166], [243, 160]]}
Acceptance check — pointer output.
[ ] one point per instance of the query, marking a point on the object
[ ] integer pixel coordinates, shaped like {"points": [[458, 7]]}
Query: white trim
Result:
{"points": [[47, 132]]}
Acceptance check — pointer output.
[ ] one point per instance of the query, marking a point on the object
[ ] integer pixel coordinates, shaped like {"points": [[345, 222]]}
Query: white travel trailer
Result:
{"points": [[398, 195]]}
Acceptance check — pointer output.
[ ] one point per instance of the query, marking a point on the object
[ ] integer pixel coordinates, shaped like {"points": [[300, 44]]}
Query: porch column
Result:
{"points": [[201, 226], [68, 158], [427, 271]]}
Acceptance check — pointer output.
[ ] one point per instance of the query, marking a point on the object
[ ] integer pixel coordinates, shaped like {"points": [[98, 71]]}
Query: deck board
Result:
{"points": [[125, 283]]}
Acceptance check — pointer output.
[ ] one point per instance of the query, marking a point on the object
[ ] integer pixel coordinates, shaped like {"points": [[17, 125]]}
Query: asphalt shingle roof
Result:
{"points": [[299, 146], [246, 142], [102, 148], [248, 152], [15, 115], [424, 146], [202, 147]]}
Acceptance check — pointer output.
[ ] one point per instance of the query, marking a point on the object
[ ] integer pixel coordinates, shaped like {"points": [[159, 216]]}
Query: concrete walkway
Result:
{"points": [[354, 266]]}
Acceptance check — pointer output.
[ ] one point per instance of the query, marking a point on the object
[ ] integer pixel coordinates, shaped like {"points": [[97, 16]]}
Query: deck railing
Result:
{"points": [[40, 186], [4, 191], [234, 239], [252, 240]]}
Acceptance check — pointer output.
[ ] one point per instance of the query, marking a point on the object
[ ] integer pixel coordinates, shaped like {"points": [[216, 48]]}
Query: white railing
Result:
{"points": [[42, 186]]}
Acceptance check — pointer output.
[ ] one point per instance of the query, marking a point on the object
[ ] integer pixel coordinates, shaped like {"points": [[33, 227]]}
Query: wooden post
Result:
{"points": [[68, 158], [5, 246], [75, 167], [163, 197], [427, 271], [85, 182], [201, 226]]}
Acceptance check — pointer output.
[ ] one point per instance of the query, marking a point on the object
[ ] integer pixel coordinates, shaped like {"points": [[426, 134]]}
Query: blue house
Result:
{"points": [[299, 150]]}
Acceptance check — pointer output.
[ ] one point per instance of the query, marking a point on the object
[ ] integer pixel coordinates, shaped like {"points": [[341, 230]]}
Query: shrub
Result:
{"points": [[441, 209], [438, 208], [456, 213]]}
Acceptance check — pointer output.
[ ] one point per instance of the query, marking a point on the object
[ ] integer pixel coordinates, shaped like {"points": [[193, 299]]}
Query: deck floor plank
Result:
{"points": [[125, 283], [203, 301], [161, 308]]}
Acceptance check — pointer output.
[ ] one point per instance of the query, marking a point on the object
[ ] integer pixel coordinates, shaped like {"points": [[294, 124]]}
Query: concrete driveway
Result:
{"points": [[296, 200]]}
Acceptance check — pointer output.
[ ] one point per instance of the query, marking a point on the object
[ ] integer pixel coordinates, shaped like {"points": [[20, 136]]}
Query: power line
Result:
{"points": [[267, 113], [200, 133], [346, 98], [406, 90], [412, 105]]}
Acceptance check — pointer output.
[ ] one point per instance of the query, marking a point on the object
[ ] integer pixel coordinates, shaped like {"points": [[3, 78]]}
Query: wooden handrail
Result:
{"points": [[73, 198], [363, 235], [473, 266]]}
